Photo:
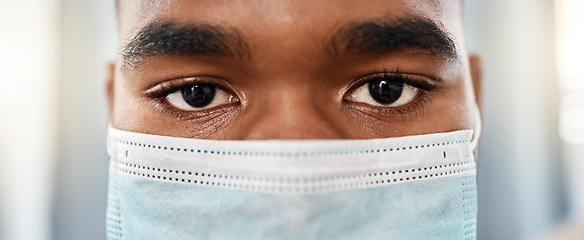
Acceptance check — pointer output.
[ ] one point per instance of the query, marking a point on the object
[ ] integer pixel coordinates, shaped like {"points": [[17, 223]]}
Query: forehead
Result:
{"points": [[313, 18]]}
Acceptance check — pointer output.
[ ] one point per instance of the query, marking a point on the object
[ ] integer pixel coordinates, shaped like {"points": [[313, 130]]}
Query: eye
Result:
{"points": [[198, 97], [385, 90]]}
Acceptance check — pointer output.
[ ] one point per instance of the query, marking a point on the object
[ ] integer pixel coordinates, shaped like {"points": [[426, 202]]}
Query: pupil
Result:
{"points": [[199, 95], [385, 91]]}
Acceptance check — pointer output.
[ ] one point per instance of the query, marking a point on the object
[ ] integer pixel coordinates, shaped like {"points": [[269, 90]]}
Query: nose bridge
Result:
{"points": [[289, 111]]}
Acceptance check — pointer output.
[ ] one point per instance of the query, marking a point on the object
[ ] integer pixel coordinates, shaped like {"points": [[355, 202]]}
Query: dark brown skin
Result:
{"points": [[288, 86]]}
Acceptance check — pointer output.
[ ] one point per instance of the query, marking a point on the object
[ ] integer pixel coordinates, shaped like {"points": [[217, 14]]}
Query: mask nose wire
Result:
{"points": [[477, 131]]}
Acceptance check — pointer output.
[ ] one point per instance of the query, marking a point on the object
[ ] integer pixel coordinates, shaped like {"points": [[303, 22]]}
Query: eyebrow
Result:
{"points": [[171, 38], [396, 35]]}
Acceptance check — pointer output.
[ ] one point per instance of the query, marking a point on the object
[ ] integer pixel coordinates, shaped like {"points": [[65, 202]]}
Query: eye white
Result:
{"points": [[363, 95], [176, 100]]}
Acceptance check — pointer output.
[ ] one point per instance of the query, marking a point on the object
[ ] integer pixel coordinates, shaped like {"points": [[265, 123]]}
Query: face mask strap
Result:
{"points": [[478, 129]]}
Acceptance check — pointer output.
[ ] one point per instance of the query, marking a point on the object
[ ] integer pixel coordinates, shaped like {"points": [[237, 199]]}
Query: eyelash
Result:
{"points": [[416, 106], [165, 88], [424, 83]]}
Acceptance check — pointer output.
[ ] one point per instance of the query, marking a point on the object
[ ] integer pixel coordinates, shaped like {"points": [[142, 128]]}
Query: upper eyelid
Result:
{"points": [[427, 83], [162, 89]]}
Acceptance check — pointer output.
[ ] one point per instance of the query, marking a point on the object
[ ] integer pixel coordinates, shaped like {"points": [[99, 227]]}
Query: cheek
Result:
{"points": [[454, 111], [130, 113]]}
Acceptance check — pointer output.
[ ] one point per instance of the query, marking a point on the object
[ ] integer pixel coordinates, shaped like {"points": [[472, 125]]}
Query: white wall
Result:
{"points": [[570, 36], [53, 162], [28, 94], [88, 41], [520, 184]]}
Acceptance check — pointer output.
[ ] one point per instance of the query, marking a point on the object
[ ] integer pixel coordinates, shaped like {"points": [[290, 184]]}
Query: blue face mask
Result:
{"points": [[415, 187]]}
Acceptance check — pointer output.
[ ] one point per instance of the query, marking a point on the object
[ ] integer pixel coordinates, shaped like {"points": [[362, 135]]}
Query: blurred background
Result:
{"points": [[53, 117]]}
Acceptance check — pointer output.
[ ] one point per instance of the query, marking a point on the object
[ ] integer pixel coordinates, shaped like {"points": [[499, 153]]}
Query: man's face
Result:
{"points": [[291, 69]]}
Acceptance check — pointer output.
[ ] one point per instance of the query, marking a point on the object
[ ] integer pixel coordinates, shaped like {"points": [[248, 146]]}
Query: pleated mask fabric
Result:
{"points": [[414, 187]]}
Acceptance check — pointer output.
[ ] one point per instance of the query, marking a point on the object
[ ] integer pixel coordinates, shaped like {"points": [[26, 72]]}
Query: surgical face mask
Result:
{"points": [[415, 187]]}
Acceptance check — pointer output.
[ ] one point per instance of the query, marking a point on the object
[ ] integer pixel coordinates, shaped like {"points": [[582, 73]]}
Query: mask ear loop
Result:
{"points": [[477, 131]]}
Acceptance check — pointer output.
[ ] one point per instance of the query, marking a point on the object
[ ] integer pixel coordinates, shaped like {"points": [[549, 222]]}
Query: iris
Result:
{"points": [[385, 91], [199, 95]]}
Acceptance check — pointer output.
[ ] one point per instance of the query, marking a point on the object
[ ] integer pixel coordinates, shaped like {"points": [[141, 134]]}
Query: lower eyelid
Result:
{"points": [[414, 108], [199, 115]]}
